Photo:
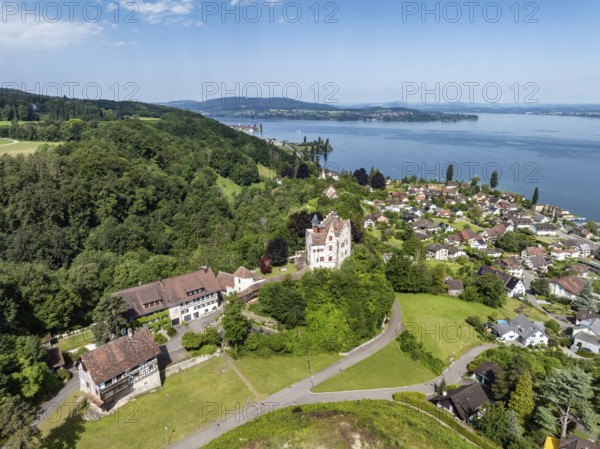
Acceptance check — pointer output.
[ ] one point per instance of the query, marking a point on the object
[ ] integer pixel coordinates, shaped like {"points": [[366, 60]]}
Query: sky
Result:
{"points": [[353, 51]]}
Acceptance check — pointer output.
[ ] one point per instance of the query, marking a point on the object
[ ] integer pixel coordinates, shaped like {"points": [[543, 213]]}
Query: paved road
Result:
{"points": [[529, 276], [57, 401], [173, 351], [300, 392]]}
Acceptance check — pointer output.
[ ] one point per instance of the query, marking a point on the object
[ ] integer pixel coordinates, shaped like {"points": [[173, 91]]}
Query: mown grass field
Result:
{"points": [[266, 172], [269, 375], [185, 403], [228, 187], [289, 268], [8, 146], [389, 367], [342, 425], [75, 341], [439, 321]]}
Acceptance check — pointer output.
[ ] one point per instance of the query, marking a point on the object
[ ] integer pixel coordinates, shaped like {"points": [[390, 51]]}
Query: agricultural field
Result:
{"points": [[13, 147]]}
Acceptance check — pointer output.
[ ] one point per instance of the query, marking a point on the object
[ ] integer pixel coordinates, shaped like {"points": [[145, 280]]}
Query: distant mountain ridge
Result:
{"points": [[284, 108]]}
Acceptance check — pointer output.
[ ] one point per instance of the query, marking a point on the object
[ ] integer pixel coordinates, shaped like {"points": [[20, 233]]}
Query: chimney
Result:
{"points": [[205, 268], [444, 393]]}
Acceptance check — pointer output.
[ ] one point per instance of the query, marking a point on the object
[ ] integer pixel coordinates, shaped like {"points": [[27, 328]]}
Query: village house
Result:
{"points": [[545, 229], [564, 254], [494, 232], [486, 373], [513, 286], [585, 314], [538, 263], [55, 359], [328, 243], [455, 286], [437, 252], [571, 442], [331, 193], [567, 287], [492, 252], [187, 297], [512, 266], [478, 244], [455, 253], [329, 174], [587, 335], [463, 402], [579, 270], [124, 366], [521, 329], [533, 251]]}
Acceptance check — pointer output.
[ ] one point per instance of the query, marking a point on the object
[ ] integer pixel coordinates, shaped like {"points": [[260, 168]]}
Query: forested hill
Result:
{"points": [[26, 106], [121, 202]]}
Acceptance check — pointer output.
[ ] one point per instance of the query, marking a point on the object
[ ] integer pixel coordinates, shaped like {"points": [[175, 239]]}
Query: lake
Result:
{"points": [[559, 155]]}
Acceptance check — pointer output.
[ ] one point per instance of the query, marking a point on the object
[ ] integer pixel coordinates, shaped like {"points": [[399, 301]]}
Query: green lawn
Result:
{"points": [[228, 187], [8, 122], [349, 424], [439, 322], [75, 341], [187, 402], [21, 147], [459, 224], [290, 267], [266, 172], [57, 415], [269, 375], [389, 367]]}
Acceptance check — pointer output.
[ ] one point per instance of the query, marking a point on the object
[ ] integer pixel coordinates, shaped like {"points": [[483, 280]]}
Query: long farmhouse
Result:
{"points": [[187, 297]]}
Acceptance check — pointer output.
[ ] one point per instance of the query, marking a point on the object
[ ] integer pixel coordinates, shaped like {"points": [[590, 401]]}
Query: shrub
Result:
{"points": [[410, 345], [63, 374], [160, 339], [171, 331], [184, 323], [191, 341]]}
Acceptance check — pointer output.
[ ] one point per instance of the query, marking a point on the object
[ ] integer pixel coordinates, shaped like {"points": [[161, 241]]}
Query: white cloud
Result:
{"points": [[21, 35], [120, 44], [165, 10]]}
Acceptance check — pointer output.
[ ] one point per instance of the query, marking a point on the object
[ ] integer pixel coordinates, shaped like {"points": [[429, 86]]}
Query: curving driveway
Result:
{"points": [[300, 392]]}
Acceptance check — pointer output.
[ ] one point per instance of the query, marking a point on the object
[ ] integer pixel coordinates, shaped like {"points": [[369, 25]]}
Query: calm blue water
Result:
{"points": [[559, 155]]}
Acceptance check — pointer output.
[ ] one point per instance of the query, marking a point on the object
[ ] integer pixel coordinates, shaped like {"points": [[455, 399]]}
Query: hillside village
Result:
{"points": [[354, 261], [547, 268]]}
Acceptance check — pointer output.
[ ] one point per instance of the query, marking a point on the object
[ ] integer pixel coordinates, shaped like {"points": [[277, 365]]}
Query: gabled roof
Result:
{"points": [[586, 314], [592, 325], [225, 280], [455, 284], [465, 400], [119, 356], [156, 296], [488, 369], [572, 284], [243, 273], [573, 442], [54, 358]]}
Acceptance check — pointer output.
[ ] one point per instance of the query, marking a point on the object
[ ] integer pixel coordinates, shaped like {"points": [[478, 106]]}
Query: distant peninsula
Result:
{"points": [[284, 108]]}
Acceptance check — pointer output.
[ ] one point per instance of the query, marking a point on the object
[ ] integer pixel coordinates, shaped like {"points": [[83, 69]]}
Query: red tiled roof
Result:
{"points": [[119, 355], [572, 284]]}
